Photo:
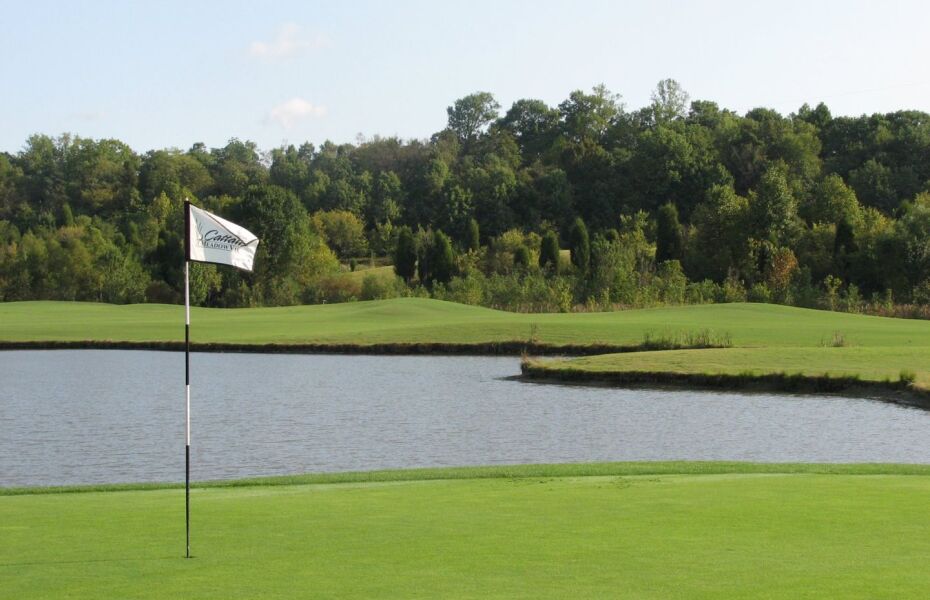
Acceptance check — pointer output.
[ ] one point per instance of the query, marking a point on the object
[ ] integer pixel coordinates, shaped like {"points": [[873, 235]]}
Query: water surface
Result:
{"points": [[97, 416]]}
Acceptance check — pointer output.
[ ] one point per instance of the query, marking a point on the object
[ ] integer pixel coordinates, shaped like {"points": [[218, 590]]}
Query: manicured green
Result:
{"points": [[425, 320], [881, 363], [556, 534]]}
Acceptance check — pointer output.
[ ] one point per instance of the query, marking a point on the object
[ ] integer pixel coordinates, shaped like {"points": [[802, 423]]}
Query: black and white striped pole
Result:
{"points": [[187, 378]]}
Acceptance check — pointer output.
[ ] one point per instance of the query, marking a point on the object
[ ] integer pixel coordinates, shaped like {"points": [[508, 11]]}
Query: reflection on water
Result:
{"points": [[94, 416]]}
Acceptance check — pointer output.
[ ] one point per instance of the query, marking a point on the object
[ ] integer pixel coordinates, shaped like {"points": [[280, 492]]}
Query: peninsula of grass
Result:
{"points": [[848, 369], [644, 530]]}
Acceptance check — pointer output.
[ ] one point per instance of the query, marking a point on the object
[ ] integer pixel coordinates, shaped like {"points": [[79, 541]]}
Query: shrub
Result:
{"points": [[759, 292], [549, 251]]}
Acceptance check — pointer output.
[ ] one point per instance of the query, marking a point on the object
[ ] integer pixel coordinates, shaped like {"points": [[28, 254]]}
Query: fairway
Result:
{"points": [[420, 320], [545, 532]]}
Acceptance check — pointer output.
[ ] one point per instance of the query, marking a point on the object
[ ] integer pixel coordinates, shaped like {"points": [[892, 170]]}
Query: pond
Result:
{"points": [[102, 416]]}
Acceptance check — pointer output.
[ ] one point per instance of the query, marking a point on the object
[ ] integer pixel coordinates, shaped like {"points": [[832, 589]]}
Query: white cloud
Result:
{"points": [[289, 42], [287, 114]]}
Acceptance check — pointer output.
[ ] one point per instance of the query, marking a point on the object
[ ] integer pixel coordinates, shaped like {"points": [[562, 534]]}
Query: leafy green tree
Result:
{"points": [[873, 184], [832, 201], [468, 116], [533, 124], [580, 245], [290, 254], [818, 116], [773, 208], [405, 255], [387, 200], [669, 101], [344, 232], [589, 116], [719, 242], [669, 235]]}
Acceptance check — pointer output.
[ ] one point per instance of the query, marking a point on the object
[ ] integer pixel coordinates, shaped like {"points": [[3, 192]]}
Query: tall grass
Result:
{"points": [[682, 340]]}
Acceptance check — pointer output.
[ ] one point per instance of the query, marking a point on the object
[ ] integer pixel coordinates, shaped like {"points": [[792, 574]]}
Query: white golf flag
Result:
{"points": [[212, 239]]}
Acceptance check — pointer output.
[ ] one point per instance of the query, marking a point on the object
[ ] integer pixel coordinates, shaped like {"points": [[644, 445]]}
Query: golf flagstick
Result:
{"points": [[187, 408], [210, 239]]}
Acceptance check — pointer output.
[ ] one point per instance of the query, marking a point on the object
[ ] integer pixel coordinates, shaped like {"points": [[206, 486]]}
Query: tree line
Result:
{"points": [[677, 201]]}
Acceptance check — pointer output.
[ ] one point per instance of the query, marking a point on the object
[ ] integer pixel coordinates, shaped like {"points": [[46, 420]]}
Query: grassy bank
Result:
{"points": [[588, 531], [798, 369]]}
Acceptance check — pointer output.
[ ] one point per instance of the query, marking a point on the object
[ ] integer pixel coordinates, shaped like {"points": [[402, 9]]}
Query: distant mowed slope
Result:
{"points": [[419, 320]]}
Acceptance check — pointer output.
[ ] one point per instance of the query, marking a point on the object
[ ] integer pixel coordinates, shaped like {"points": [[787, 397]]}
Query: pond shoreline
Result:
{"points": [[514, 348], [896, 392], [513, 471]]}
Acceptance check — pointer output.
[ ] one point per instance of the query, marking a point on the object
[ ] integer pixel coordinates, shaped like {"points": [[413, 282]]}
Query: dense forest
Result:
{"points": [[679, 201]]}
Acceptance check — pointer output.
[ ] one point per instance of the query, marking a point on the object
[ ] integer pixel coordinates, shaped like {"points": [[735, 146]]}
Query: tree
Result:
{"points": [[669, 236], [290, 254], [873, 184], [549, 251], [832, 201], [844, 245], [719, 243], [580, 245], [589, 116], [387, 200], [437, 262], [669, 101], [405, 255], [532, 123], [468, 116], [345, 232], [773, 208], [819, 117], [473, 238]]}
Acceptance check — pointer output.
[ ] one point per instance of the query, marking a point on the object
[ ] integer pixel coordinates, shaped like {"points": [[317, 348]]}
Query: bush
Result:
{"points": [[703, 292], [760, 292], [379, 288]]}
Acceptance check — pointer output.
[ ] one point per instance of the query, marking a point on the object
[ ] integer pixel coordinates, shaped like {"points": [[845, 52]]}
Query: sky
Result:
{"points": [[169, 74]]}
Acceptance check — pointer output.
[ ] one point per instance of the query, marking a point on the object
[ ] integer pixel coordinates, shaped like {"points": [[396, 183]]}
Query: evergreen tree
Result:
{"points": [[441, 261], [473, 240], [580, 244], [405, 255], [844, 244], [669, 237], [521, 257], [549, 251]]}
